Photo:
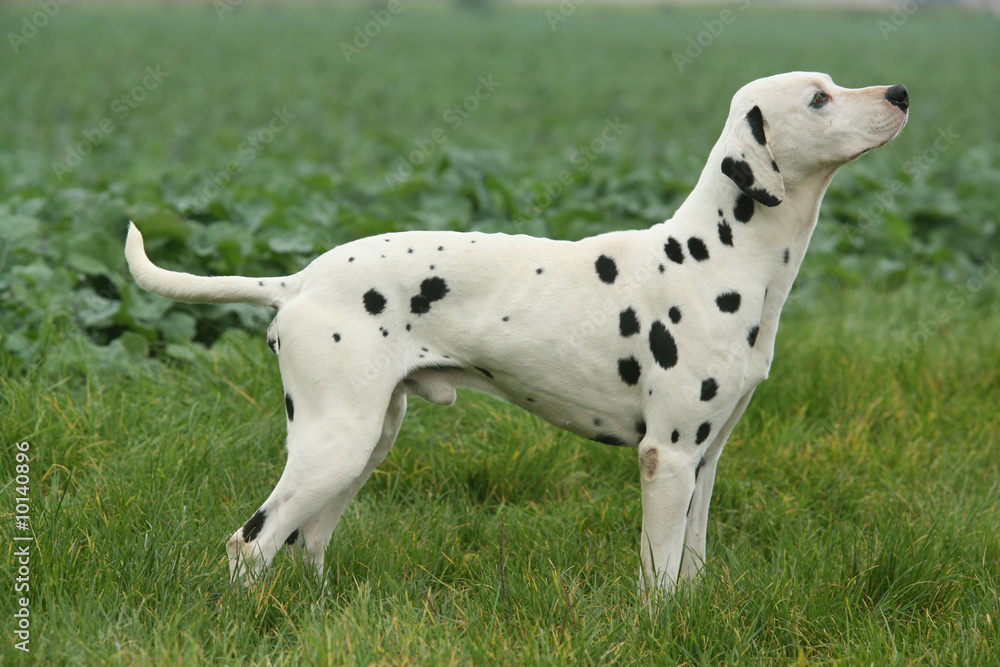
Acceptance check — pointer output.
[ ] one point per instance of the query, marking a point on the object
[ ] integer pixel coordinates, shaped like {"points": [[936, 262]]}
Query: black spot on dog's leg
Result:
{"points": [[728, 302], [703, 432], [674, 251], [784, 256], [628, 323], [675, 436], [662, 345], [336, 338], [374, 301], [675, 314], [292, 538], [752, 336], [251, 529], [289, 407], [629, 371], [709, 388], [606, 268]]}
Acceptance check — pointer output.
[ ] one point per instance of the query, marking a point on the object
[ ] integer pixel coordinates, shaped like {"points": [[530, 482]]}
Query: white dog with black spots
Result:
{"points": [[697, 300]]}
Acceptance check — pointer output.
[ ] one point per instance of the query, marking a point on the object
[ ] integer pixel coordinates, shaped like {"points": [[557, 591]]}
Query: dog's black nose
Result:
{"points": [[898, 97]]}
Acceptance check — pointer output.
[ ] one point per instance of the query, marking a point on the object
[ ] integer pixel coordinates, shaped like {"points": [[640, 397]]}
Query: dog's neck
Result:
{"points": [[769, 231]]}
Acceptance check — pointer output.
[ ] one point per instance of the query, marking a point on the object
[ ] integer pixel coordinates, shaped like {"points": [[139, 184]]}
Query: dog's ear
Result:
{"points": [[749, 162]]}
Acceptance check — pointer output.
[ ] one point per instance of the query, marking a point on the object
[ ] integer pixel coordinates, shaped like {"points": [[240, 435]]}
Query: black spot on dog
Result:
{"points": [[260, 282], [674, 251], [743, 210], [739, 171], [272, 343], [720, 213], [385, 332], [289, 407], [374, 301], [251, 529], [530, 399], [612, 440], [756, 122], [752, 336], [539, 271], [410, 251], [675, 436], [726, 234], [597, 421], [629, 370], [293, 538], [640, 428], [662, 345], [628, 323], [506, 318], [336, 338], [697, 249], [729, 302], [784, 256], [350, 259], [484, 372], [440, 248], [431, 290], [709, 388], [675, 314], [703, 432], [409, 326], [662, 268], [607, 270]]}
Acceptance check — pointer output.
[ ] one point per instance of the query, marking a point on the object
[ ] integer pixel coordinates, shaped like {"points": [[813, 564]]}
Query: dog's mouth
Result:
{"points": [[906, 117]]}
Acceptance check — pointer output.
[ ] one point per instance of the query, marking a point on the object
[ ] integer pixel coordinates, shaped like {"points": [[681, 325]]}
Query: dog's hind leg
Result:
{"points": [[331, 450], [316, 532]]}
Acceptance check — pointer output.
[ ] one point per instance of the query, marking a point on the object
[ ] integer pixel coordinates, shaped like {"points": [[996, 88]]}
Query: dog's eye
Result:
{"points": [[819, 99]]}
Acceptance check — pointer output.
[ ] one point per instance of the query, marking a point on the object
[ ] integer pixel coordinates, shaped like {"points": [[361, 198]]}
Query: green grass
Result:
{"points": [[854, 517]]}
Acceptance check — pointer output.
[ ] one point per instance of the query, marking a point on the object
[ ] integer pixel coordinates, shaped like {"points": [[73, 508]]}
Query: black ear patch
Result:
{"points": [[755, 119]]}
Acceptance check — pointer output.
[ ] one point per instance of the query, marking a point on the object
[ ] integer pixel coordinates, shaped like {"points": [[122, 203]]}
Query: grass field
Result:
{"points": [[855, 511]]}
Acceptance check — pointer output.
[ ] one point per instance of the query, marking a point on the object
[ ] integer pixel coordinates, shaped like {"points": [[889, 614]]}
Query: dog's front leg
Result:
{"points": [[668, 482]]}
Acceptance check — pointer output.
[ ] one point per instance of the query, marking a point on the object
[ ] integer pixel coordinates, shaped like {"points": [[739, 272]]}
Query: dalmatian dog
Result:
{"points": [[653, 339]]}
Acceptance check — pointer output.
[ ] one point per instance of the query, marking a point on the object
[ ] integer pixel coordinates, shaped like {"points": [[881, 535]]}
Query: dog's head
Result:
{"points": [[788, 127]]}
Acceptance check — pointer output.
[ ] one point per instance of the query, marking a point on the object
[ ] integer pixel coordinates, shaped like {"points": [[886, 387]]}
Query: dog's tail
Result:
{"points": [[199, 289]]}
